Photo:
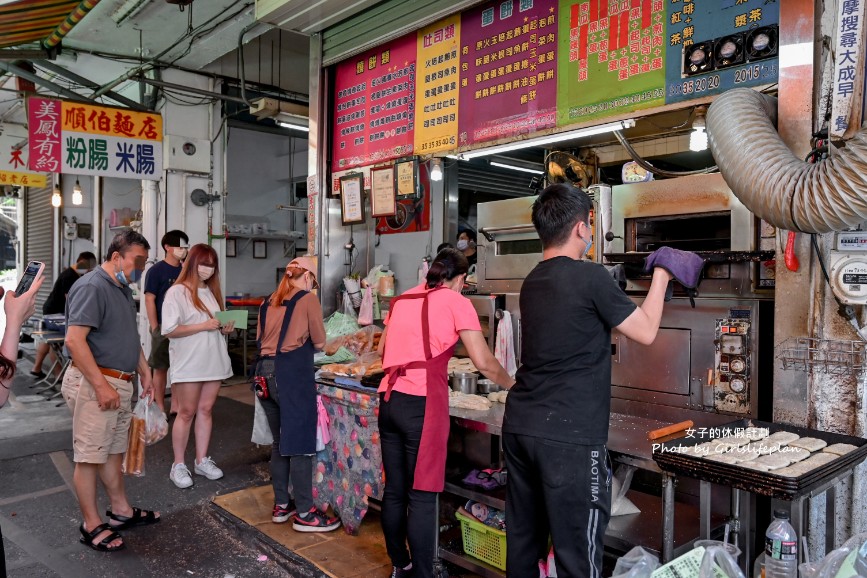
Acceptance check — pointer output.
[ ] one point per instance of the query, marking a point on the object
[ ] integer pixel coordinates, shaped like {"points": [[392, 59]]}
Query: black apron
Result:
{"points": [[296, 387]]}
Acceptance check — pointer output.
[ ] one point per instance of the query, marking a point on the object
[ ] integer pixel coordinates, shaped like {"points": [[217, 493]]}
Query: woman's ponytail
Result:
{"points": [[447, 265]]}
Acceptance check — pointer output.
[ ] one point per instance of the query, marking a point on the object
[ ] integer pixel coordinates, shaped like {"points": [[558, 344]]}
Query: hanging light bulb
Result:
{"points": [[436, 169], [77, 196], [698, 136], [56, 198]]}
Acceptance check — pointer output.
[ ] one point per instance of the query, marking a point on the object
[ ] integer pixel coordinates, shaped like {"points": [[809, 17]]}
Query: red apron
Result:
{"points": [[430, 468]]}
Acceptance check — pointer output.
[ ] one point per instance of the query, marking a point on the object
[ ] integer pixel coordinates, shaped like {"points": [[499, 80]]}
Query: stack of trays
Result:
{"points": [[775, 460]]}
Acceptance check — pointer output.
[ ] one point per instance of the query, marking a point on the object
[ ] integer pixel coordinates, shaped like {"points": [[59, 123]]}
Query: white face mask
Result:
{"points": [[463, 245], [205, 272], [180, 253]]}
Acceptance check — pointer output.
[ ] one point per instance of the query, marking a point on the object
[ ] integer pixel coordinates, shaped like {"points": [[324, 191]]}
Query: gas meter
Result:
{"points": [[848, 261]]}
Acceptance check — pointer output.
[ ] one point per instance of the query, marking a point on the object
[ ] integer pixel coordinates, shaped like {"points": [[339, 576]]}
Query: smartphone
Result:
{"points": [[34, 269]]}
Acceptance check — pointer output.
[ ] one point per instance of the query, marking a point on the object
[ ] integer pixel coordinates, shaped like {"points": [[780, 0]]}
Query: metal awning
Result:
{"points": [[31, 20]]}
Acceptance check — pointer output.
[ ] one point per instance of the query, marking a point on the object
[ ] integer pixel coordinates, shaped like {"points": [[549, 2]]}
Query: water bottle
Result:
{"points": [[781, 548], [759, 566]]}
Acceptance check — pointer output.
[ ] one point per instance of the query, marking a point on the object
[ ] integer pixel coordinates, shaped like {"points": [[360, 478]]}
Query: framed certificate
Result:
{"points": [[383, 202], [352, 199], [406, 178]]}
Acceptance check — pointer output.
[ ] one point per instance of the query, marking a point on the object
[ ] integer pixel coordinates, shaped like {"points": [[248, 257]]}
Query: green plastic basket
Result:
{"points": [[483, 542]]}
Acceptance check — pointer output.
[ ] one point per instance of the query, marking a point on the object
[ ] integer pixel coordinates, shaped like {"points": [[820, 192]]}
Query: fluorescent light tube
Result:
{"points": [[293, 126], [515, 168], [552, 138]]}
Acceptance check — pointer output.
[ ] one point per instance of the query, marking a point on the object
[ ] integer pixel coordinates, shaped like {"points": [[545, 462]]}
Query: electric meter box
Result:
{"points": [[848, 267], [185, 154]]}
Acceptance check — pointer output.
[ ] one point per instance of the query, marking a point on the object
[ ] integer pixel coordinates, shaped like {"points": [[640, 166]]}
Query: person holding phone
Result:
{"points": [[199, 358], [102, 339], [18, 307]]}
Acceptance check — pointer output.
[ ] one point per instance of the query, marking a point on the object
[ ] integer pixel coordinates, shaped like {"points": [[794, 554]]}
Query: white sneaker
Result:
{"points": [[208, 468], [180, 475]]}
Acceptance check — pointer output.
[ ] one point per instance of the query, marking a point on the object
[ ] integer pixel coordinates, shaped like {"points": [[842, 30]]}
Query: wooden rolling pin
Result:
{"points": [[669, 429]]}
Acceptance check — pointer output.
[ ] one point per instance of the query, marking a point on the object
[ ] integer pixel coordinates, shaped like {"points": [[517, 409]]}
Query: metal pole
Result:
{"points": [[35, 78], [89, 84]]}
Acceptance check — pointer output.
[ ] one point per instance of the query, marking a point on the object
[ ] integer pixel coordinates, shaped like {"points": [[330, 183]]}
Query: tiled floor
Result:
{"points": [[336, 553]]}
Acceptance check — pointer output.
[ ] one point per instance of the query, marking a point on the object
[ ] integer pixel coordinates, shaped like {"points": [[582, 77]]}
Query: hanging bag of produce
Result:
{"points": [[365, 314]]}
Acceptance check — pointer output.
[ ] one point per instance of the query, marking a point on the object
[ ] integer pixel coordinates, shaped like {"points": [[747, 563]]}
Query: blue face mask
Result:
{"points": [[121, 277], [588, 246]]}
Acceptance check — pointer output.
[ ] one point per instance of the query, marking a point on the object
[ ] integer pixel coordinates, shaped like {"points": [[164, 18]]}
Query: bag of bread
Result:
{"points": [[133, 459]]}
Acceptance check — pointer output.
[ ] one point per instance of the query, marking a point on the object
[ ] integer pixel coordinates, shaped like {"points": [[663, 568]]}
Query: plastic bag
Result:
{"points": [[156, 426], [133, 459], [342, 355], [637, 563], [718, 563], [831, 565], [323, 436], [363, 341], [261, 430], [372, 279], [342, 322], [365, 314], [353, 291]]}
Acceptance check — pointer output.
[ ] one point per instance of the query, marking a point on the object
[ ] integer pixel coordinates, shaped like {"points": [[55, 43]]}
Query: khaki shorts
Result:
{"points": [[96, 434], [159, 357]]}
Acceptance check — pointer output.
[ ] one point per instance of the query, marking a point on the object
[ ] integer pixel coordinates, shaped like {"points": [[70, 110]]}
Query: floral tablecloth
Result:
{"points": [[349, 470]]}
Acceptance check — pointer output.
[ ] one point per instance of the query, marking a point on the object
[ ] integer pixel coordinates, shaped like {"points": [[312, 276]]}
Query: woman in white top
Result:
{"points": [[199, 358]]}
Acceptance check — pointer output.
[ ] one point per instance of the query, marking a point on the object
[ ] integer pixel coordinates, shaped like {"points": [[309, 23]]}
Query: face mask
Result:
{"points": [[180, 253], [587, 247], [136, 275], [121, 277], [463, 245], [205, 272]]}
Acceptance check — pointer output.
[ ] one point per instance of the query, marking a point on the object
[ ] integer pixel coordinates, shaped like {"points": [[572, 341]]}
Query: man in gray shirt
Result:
{"points": [[102, 339]]}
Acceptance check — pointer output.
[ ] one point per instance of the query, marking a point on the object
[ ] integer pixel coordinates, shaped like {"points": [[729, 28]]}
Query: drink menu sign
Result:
{"points": [[374, 117], [508, 70], [83, 139]]}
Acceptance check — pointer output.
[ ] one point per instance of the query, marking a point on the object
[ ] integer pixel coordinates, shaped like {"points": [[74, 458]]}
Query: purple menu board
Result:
{"points": [[508, 70]]}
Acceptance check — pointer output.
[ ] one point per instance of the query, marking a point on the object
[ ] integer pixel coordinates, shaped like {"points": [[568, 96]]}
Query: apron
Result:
{"points": [[296, 388], [430, 468]]}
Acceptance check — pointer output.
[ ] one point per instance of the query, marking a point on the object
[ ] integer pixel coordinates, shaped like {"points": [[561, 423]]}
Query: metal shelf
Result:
{"points": [[494, 498]]}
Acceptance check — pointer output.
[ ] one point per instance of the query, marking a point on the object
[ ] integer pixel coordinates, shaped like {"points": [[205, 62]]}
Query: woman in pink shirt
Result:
{"points": [[422, 328]]}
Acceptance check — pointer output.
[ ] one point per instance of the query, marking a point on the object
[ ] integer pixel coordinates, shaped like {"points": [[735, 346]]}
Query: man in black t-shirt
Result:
{"points": [[157, 281], [55, 303], [555, 427]]}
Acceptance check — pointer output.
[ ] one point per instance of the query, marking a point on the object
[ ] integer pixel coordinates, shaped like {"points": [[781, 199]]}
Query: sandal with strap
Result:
{"points": [[139, 518], [87, 538]]}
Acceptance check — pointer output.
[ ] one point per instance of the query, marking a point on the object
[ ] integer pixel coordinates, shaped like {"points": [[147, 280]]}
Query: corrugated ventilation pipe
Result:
{"points": [[764, 174]]}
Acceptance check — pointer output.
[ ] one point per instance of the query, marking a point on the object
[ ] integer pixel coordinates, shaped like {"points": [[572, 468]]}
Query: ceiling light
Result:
{"points": [[436, 169], [515, 168], [542, 140], [56, 199], [293, 125], [77, 197], [127, 10], [698, 136]]}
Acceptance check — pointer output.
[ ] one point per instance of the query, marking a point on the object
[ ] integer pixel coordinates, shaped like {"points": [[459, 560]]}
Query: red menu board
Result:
{"points": [[374, 112], [508, 70]]}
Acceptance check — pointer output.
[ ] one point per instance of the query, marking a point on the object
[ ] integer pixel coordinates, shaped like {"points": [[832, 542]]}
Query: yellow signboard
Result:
{"points": [[437, 86], [107, 121], [23, 179]]}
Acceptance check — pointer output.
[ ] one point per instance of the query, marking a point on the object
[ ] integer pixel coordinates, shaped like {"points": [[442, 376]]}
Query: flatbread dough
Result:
{"points": [[762, 447], [774, 461], [782, 437], [733, 441], [811, 444], [794, 453], [754, 465], [728, 458], [813, 462], [840, 449]]}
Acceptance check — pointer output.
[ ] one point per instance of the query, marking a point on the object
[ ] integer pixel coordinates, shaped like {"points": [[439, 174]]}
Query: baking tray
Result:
{"points": [[763, 483]]}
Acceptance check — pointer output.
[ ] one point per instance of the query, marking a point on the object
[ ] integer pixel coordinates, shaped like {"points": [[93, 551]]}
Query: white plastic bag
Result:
{"points": [[715, 560], [831, 565], [261, 430], [637, 563], [365, 314], [353, 289]]}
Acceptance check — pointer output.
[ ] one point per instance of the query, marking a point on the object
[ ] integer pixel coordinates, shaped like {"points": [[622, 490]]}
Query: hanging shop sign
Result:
{"points": [[524, 66], [374, 115], [508, 70], [82, 139], [436, 95], [848, 94], [13, 163]]}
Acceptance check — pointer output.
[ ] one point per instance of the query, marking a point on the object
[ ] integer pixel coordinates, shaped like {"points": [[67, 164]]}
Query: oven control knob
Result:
{"points": [[738, 385], [738, 365]]}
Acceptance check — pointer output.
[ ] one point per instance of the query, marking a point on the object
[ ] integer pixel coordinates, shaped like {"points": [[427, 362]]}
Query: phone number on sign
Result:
{"points": [[436, 143], [695, 86]]}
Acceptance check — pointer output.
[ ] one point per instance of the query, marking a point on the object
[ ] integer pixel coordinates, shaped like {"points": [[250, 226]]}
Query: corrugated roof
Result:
{"points": [[31, 20]]}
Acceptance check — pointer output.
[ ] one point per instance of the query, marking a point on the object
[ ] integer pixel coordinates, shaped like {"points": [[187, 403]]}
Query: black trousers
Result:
{"points": [[559, 489], [407, 514]]}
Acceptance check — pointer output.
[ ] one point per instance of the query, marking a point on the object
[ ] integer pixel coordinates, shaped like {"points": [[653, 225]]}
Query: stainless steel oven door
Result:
{"points": [[509, 247]]}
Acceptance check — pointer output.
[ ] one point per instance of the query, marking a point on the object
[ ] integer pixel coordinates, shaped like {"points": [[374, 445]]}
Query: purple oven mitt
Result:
{"points": [[686, 268]]}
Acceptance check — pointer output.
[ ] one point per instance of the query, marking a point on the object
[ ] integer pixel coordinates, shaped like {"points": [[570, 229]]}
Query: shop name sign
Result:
{"points": [[83, 139], [13, 163], [848, 93]]}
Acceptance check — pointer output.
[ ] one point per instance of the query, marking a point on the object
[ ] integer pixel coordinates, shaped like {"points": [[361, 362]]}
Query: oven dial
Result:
{"points": [[738, 385], [738, 365]]}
